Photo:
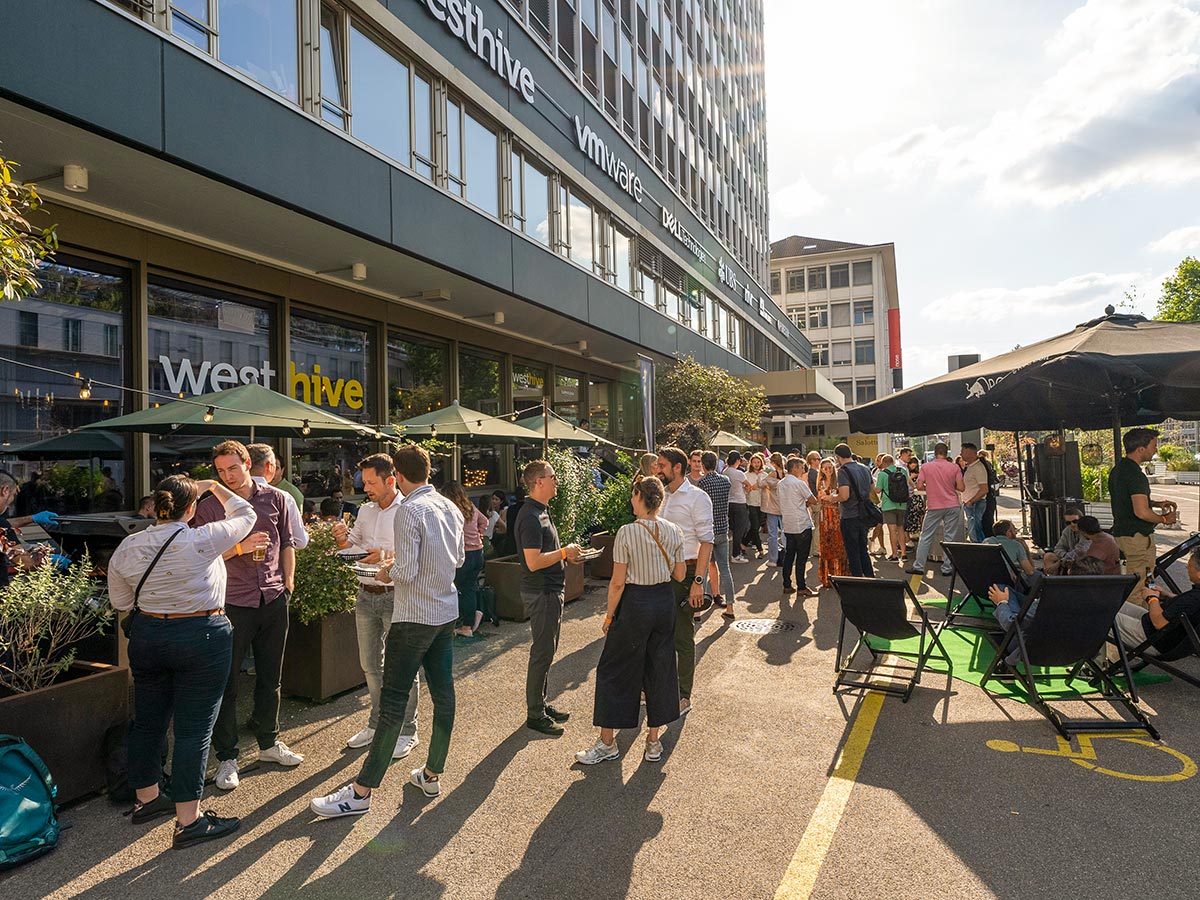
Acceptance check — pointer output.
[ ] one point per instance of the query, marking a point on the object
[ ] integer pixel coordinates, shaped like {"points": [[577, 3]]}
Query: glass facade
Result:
{"points": [[418, 376], [528, 385]]}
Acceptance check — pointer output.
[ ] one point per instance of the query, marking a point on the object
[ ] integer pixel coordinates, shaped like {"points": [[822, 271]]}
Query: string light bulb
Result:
{"points": [[433, 431], [85, 389], [305, 428], [209, 413], [378, 435]]}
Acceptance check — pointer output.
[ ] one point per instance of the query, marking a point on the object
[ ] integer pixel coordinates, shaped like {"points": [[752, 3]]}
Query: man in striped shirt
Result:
{"points": [[429, 549]]}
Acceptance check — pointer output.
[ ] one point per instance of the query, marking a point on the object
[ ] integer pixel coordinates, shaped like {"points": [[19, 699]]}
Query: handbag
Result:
{"points": [[682, 589], [871, 513], [127, 622]]}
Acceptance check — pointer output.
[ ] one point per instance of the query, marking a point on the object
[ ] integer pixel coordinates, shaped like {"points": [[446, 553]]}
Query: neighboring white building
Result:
{"points": [[844, 297], [1185, 434]]}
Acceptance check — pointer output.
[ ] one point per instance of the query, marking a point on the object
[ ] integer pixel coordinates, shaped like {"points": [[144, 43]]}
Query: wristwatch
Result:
{"points": [[699, 579]]}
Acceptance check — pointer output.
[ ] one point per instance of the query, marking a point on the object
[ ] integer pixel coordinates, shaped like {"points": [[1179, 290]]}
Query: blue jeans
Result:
{"points": [[975, 512], [720, 556], [1005, 613], [373, 618], [774, 536], [179, 668], [951, 520], [854, 536], [466, 579]]}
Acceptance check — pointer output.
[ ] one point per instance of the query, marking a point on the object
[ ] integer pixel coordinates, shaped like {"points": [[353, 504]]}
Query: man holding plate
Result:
{"points": [[373, 535]]}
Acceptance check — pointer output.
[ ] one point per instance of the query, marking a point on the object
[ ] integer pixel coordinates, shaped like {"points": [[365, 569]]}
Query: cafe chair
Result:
{"points": [[976, 568]]}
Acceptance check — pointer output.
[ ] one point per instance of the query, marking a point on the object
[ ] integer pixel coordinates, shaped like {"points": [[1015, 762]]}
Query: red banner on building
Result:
{"points": [[895, 362]]}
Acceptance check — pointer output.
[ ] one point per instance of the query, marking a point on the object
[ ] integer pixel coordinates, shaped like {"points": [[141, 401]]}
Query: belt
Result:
{"points": [[690, 562], [188, 615], [376, 588]]}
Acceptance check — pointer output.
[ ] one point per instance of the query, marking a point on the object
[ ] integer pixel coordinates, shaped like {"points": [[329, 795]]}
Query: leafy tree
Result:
{"points": [[21, 246], [1180, 300], [687, 436], [688, 390]]}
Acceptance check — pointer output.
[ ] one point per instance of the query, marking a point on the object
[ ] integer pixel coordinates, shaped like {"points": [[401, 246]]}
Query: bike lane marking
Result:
{"points": [[801, 875]]}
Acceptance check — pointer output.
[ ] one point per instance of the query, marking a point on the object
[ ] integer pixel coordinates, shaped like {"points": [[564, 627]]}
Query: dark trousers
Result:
{"points": [[989, 515], [411, 647], [263, 628], [180, 667], [854, 536], [639, 655], [685, 637], [752, 535], [466, 580], [795, 553], [739, 521], [545, 619]]}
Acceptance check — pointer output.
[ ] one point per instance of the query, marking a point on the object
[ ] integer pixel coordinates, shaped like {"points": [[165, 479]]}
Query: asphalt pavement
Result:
{"points": [[933, 810]]}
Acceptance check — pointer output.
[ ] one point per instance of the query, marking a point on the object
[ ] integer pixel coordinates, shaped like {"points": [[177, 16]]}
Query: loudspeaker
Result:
{"points": [[1058, 471]]}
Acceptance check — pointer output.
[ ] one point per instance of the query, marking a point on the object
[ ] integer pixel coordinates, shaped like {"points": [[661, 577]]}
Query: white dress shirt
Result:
{"points": [[190, 575], [429, 550], [737, 484], [374, 529], [691, 509], [295, 519], [793, 494]]}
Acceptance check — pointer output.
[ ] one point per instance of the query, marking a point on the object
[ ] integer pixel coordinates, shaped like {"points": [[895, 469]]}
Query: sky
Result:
{"points": [[1032, 160]]}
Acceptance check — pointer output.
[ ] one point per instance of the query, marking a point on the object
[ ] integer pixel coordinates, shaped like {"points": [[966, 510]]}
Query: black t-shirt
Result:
{"points": [[1125, 479], [1173, 608], [860, 490], [535, 531], [9, 534]]}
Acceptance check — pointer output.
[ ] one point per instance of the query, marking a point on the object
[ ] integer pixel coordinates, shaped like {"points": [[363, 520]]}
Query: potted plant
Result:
{"points": [[61, 706], [613, 509], [321, 658]]}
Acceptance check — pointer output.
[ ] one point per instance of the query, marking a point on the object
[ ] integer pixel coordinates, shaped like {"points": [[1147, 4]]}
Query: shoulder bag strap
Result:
{"points": [[137, 591], [661, 548]]}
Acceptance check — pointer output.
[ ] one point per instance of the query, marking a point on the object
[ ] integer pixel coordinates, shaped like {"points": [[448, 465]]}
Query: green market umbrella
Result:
{"points": [[248, 408], [459, 423], [560, 431], [80, 444], [723, 440]]}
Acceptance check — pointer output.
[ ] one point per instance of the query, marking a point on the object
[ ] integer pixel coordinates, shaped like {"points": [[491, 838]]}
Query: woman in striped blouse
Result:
{"points": [[639, 648]]}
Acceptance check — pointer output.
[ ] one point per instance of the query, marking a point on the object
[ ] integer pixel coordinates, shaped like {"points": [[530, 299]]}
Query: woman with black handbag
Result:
{"points": [[172, 577], [639, 628]]}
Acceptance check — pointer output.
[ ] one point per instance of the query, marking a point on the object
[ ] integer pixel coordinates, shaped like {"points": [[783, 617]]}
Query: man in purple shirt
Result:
{"points": [[256, 600]]}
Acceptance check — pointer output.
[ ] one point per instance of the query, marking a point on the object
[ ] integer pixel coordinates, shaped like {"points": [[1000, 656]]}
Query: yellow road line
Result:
{"points": [[801, 875]]}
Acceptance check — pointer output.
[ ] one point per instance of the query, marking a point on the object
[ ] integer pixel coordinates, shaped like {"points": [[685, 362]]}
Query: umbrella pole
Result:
{"points": [[1021, 483], [1116, 436], [546, 428], [252, 434]]}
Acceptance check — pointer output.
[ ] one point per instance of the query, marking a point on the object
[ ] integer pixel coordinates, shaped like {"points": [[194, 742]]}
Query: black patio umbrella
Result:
{"points": [[1115, 370]]}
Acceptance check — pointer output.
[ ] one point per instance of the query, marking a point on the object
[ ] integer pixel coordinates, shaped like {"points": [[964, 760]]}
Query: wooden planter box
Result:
{"points": [[321, 658], [602, 567], [65, 724], [504, 575]]}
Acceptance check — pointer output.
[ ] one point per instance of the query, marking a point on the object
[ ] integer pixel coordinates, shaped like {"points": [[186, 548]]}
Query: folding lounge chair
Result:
{"points": [[1162, 565], [977, 567], [877, 608], [1074, 618], [1177, 641]]}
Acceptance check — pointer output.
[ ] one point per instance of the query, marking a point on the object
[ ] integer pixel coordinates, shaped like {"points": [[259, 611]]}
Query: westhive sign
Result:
{"points": [[464, 20]]}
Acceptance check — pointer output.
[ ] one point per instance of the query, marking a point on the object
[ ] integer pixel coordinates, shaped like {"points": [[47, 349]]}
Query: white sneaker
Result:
{"points": [[342, 802], [653, 751], [227, 775], [598, 753], [362, 739], [404, 746], [280, 754], [429, 787], [738, 559]]}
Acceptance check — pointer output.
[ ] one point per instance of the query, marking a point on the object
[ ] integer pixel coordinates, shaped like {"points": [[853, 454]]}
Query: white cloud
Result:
{"points": [[1120, 108], [797, 199], [1081, 296], [1180, 242]]}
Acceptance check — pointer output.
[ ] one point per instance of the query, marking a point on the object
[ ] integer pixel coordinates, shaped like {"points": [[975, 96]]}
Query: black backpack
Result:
{"points": [[897, 485]]}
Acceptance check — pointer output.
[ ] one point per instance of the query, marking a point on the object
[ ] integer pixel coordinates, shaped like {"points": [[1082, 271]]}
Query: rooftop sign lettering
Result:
{"points": [[464, 20], [593, 146]]}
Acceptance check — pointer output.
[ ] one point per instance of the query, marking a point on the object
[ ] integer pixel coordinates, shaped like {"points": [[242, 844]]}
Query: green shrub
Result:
{"points": [[573, 508], [1184, 462], [325, 584], [1095, 482], [613, 508]]}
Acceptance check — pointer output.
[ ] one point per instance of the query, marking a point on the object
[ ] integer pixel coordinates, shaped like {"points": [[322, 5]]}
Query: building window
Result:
{"points": [[778, 431], [112, 340], [839, 276], [528, 385], [795, 281], [864, 313], [566, 396], [814, 431], [862, 272], [418, 372], [820, 355], [713, 315], [479, 381], [775, 283], [530, 198], [578, 228], [818, 316], [191, 20], [379, 105], [259, 40], [816, 279], [73, 335], [840, 315], [847, 389], [864, 392], [841, 353], [620, 263], [685, 309], [27, 327], [864, 353], [422, 158], [333, 68], [480, 165]]}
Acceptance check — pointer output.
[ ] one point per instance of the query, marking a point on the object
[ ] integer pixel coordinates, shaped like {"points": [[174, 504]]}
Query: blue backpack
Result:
{"points": [[28, 826]]}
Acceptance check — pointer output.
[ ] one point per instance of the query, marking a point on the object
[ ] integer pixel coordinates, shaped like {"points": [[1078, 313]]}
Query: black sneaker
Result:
{"points": [[545, 725], [162, 805], [557, 714], [206, 828], [719, 601]]}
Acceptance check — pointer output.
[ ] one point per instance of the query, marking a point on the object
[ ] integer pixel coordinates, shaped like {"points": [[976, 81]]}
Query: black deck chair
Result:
{"points": [[1179, 640], [978, 567], [1162, 565], [1074, 618], [876, 607]]}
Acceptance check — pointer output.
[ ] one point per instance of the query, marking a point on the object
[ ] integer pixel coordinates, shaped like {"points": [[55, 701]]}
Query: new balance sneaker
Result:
{"points": [[280, 754], [430, 785], [342, 802], [404, 745], [598, 753], [653, 751], [227, 775], [206, 828], [362, 739]]}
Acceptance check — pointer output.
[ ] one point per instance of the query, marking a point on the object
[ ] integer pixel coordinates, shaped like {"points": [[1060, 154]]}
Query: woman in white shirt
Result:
{"points": [[180, 647], [756, 480], [639, 647], [771, 511]]}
